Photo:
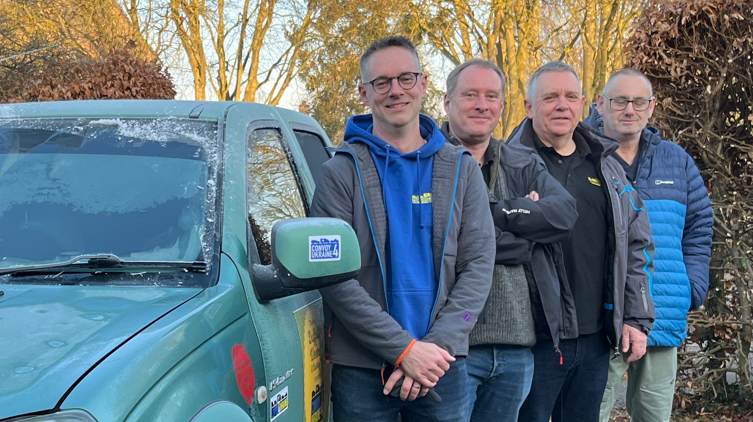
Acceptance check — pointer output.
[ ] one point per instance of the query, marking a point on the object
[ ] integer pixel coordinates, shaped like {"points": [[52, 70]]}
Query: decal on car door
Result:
{"points": [[311, 331]]}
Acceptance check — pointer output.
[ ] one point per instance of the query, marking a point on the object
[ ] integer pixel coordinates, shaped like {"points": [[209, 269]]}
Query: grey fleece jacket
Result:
{"points": [[630, 248], [360, 331]]}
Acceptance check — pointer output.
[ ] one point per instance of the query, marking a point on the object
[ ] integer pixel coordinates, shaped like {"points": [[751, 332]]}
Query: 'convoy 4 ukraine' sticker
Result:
{"points": [[279, 403], [324, 248]]}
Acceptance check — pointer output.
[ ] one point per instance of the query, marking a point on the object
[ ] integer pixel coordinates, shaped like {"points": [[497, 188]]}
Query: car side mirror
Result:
{"points": [[307, 254]]}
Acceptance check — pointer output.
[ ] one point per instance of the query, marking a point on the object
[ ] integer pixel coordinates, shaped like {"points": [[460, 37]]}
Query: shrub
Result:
{"points": [[698, 54], [118, 75]]}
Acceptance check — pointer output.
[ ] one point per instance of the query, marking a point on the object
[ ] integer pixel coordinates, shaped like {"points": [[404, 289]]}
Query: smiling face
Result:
{"points": [[397, 110], [557, 107], [625, 125], [475, 105]]}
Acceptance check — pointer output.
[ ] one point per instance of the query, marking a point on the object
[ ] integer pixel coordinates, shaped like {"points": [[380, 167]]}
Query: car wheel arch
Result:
{"points": [[221, 411]]}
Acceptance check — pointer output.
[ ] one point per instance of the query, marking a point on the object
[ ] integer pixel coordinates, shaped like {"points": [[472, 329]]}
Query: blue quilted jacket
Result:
{"points": [[682, 222]]}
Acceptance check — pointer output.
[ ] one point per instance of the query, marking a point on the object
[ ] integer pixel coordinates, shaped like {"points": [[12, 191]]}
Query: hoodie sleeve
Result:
{"points": [[361, 315], [697, 235], [548, 220], [474, 264]]}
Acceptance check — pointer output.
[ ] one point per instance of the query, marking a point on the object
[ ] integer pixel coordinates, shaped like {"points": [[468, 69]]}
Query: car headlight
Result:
{"points": [[65, 416]]}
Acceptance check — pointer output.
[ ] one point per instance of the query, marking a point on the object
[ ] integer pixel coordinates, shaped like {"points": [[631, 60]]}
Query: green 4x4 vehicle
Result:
{"points": [[156, 263]]}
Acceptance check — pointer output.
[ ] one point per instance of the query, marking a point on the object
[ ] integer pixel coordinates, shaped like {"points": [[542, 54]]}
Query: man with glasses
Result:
{"points": [[605, 299], [679, 209], [420, 210]]}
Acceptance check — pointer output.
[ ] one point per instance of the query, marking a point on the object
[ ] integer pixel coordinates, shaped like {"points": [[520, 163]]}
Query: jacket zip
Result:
{"points": [[643, 295], [371, 228], [444, 245], [619, 204], [376, 248], [611, 253]]}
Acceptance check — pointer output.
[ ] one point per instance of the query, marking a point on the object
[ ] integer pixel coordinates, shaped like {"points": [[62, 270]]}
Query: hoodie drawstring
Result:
{"points": [[420, 198], [385, 174]]}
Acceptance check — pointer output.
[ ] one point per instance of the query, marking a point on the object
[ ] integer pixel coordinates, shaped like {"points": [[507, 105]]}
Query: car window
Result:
{"points": [[273, 190], [314, 150], [141, 189]]}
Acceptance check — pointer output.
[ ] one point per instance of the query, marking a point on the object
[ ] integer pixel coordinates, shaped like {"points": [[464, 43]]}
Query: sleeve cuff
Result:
{"points": [[405, 352], [638, 326]]}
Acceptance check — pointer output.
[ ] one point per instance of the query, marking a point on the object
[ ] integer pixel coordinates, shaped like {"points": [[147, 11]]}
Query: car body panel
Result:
{"points": [[52, 335], [202, 333]]}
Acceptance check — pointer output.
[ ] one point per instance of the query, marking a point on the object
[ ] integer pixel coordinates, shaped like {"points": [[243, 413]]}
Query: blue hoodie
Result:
{"points": [[411, 283]]}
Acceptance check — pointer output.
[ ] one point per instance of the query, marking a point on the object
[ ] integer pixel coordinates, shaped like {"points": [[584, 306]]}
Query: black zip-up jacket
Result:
{"points": [[630, 248], [528, 232]]}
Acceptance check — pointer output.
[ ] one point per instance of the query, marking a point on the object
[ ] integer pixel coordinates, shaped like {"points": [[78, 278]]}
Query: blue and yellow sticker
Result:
{"points": [[279, 403]]}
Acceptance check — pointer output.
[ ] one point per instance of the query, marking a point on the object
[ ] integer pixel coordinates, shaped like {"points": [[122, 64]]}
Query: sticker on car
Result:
{"points": [[279, 403], [324, 248], [311, 332]]}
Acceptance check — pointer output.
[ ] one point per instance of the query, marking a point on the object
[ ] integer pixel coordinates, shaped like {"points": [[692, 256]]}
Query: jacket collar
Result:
{"points": [[494, 146], [601, 145]]}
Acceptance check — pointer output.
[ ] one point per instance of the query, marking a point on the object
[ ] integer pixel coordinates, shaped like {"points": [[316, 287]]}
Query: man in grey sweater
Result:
{"points": [[531, 210]]}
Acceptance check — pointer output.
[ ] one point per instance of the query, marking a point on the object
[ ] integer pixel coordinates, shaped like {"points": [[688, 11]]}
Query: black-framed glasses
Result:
{"points": [[619, 104], [383, 84]]}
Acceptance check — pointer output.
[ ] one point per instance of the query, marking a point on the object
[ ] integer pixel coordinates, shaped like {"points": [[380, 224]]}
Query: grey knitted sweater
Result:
{"points": [[508, 318]]}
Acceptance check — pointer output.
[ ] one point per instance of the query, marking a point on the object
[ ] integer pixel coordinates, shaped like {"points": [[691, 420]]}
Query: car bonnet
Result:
{"points": [[51, 336]]}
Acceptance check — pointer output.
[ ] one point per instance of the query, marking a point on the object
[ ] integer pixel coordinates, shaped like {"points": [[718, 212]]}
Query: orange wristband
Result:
{"points": [[407, 349]]}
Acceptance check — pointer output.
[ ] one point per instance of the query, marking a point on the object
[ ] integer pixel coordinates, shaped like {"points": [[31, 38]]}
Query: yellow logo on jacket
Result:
{"points": [[424, 199], [594, 181]]}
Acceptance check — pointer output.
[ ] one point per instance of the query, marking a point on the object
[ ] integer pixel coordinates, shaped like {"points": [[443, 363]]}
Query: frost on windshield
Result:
{"points": [[88, 183], [142, 189]]}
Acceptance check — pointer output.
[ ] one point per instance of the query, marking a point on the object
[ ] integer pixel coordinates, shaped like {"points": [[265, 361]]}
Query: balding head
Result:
{"points": [[627, 72], [626, 104]]}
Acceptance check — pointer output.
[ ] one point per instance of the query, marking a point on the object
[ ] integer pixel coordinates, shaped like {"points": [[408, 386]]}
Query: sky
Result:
{"points": [[434, 64]]}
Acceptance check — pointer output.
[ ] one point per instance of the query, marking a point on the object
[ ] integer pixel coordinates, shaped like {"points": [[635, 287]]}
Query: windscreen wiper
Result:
{"points": [[99, 262]]}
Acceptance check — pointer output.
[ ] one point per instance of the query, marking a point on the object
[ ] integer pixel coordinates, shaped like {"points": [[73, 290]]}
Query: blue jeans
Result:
{"points": [[499, 379], [571, 391], [357, 397]]}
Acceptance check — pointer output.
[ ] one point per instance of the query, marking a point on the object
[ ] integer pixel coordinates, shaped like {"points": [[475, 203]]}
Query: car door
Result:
{"points": [[275, 193]]}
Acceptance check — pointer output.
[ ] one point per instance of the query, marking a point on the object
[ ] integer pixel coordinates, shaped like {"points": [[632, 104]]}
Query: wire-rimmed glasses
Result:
{"points": [[619, 104]]}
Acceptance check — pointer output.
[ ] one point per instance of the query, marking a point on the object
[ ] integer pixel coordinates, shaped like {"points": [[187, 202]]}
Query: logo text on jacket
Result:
{"points": [[664, 182]]}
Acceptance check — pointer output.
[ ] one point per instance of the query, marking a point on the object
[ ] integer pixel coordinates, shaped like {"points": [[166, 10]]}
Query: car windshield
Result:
{"points": [[142, 189]]}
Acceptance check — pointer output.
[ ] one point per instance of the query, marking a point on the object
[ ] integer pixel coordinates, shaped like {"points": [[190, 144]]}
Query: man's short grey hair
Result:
{"points": [[628, 72], [549, 67], [452, 78], [383, 44]]}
